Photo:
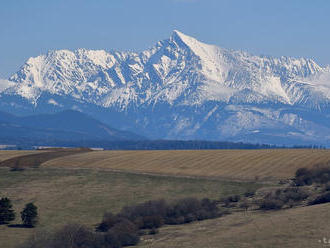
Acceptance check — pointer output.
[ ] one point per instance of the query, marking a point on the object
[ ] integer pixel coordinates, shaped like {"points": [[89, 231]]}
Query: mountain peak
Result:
{"points": [[236, 93], [212, 64], [179, 34], [183, 39]]}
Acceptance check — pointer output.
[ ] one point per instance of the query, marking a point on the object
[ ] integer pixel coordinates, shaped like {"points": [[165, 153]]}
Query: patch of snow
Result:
{"points": [[5, 84], [53, 102]]}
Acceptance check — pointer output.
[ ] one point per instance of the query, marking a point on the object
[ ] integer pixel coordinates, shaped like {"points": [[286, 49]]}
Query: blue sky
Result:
{"points": [[28, 28]]}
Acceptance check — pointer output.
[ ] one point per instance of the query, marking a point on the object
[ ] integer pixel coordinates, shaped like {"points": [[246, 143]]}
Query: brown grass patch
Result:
{"points": [[4, 155], [232, 164], [298, 227], [36, 159]]}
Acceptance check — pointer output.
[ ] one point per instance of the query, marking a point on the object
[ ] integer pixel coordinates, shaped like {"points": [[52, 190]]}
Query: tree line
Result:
{"points": [[26, 144]]}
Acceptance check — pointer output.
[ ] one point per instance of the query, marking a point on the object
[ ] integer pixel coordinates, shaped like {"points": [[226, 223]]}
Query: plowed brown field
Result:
{"points": [[232, 164]]}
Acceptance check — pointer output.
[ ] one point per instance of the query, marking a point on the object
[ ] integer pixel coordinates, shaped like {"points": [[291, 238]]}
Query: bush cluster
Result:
{"points": [[154, 214], [327, 187], [230, 200], [277, 199], [124, 228], [78, 236], [29, 215], [7, 213], [324, 198], [317, 174], [249, 193]]}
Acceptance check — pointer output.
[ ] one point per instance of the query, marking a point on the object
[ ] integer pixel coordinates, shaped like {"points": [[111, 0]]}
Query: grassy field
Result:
{"points": [[232, 164], [81, 187], [299, 227], [83, 195]]}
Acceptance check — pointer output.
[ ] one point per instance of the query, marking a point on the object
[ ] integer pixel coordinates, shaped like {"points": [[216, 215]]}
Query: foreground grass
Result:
{"points": [[303, 227], [83, 195]]}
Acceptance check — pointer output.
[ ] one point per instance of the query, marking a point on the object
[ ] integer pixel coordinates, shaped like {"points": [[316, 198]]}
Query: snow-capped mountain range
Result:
{"points": [[181, 89]]}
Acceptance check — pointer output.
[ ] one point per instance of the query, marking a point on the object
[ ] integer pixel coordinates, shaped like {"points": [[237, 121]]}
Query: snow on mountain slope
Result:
{"points": [[183, 88], [4, 84], [163, 73]]}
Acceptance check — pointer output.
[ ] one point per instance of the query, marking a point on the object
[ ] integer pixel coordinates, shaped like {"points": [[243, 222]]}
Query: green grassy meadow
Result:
{"points": [[83, 195]]}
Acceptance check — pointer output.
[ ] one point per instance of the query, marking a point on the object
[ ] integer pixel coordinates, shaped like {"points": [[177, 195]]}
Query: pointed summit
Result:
{"points": [[180, 35], [213, 66], [182, 39], [201, 49]]}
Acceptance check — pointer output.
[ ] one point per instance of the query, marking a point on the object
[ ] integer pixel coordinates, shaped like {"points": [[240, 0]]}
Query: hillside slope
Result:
{"points": [[299, 227], [67, 126]]}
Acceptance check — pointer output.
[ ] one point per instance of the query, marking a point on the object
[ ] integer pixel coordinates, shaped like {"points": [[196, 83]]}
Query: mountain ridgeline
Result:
{"points": [[64, 129], [74, 129], [181, 89]]}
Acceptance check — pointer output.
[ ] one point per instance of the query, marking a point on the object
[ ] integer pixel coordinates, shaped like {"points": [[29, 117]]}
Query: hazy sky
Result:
{"points": [[299, 28]]}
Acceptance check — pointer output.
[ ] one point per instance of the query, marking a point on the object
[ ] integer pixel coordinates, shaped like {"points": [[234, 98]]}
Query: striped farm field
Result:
{"points": [[231, 164]]}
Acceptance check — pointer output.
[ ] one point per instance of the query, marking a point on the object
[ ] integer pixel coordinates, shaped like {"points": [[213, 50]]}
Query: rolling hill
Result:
{"points": [[272, 164], [67, 127]]}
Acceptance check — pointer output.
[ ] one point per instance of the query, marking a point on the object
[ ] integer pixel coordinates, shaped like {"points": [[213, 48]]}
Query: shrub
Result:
{"points": [[245, 205], [150, 208], [190, 218], [203, 214], [125, 232], [71, 235], [186, 206], [153, 231], [287, 196], [302, 172], [190, 209], [111, 240], [271, 204], [324, 198], [227, 201], [29, 215], [149, 222], [7, 213], [209, 205], [109, 220], [142, 232], [291, 203], [249, 193], [327, 187], [317, 174], [17, 169], [39, 240], [234, 198], [292, 194], [154, 214], [78, 236]]}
